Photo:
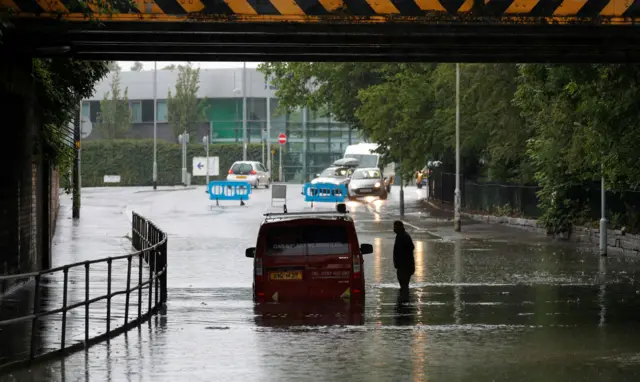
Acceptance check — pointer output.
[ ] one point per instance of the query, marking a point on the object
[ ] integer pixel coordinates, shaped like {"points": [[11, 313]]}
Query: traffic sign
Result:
{"points": [[282, 138], [200, 166]]}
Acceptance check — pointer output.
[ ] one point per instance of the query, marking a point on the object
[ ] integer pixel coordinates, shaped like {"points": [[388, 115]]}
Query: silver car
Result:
{"points": [[253, 172], [367, 182]]}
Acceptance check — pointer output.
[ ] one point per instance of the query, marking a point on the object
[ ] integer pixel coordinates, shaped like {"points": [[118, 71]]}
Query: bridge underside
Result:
{"points": [[324, 41]]}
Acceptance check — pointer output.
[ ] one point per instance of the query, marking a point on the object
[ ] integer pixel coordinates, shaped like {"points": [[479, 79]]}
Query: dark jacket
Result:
{"points": [[403, 252]]}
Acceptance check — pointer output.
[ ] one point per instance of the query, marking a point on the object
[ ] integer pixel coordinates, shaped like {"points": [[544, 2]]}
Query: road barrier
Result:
{"points": [[151, 245], [229, 190], [324, 193]]}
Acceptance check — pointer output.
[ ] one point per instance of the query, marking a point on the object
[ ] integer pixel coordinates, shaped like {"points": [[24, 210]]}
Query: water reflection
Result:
{"points": [[377, 258], [405, 311], [305, 313], [602, 295], [457, 279]]}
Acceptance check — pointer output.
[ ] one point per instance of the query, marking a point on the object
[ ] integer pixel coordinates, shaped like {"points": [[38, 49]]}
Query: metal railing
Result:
{"points": [[151, 248]]}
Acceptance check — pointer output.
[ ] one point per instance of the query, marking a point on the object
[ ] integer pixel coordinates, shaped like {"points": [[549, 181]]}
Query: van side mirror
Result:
{"points": [[366, 249], [250, 252], [317, 175]]}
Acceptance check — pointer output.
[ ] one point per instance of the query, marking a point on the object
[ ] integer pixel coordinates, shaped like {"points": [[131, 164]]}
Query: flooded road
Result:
{"points": [[492, 304]]}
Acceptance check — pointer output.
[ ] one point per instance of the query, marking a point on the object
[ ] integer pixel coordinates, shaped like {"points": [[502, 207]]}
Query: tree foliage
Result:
{"points": [[115, 115], [137, 66], [554, 125], [61, 84], [184, 108]]}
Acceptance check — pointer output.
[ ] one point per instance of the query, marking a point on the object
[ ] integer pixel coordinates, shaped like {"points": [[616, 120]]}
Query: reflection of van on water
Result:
{"points": [[366, 155]]}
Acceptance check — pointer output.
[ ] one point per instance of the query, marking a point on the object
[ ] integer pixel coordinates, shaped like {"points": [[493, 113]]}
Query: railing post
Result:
{"points": [[155, 273], [133, 230], [86, 303], [163, 279], [34, 322], [109, 261], [150, 279], [126, 303], [140, 287], [64, 307]]}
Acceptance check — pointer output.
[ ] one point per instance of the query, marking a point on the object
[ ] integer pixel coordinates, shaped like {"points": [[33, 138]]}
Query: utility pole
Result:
{"points": [[269, 129], [603, 218], [244, 111], [76, 166], [456, 215], [155, 124]]}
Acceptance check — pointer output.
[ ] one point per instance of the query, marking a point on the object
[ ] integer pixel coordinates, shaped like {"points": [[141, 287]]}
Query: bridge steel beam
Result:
{"points": [[332, 30]]}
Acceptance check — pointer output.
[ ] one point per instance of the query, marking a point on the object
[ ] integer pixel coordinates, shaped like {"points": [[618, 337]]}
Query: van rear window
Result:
{"points": [[307, 240]]}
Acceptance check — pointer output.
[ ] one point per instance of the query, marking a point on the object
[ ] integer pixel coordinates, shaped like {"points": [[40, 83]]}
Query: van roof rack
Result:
{"points": [[341, 213]]}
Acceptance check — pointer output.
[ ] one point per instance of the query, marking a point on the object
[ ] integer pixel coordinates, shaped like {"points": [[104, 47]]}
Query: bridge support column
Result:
{"points": [[19, 226]]}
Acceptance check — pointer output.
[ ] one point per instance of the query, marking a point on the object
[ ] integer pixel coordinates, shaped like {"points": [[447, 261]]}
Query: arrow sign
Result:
{"points": [[200, 166]]}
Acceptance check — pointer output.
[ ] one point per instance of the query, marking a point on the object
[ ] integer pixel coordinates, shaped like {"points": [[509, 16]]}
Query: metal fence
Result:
{"points": [[151, 252], [492, 198], [622, 209]]}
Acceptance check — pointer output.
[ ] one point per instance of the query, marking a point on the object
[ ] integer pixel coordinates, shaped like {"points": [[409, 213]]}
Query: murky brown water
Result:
{"points": [[515, 308]]}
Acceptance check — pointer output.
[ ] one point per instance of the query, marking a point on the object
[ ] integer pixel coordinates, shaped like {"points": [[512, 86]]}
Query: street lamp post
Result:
{"points": [[269, 130], [244, 111], [155, 124], [456, 215], [205, 142], [603, 219]]}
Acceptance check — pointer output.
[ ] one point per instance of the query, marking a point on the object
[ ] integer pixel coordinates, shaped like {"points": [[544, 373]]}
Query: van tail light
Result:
{"points": [[258, 267], [253, 172], [356, 267], [230, 172]]}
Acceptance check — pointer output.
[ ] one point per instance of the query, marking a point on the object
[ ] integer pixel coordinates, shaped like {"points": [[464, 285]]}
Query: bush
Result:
{"points": [[133, 161]]}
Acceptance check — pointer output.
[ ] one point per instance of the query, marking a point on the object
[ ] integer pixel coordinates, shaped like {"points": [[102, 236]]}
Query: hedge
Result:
{"points": [[133, 161]]}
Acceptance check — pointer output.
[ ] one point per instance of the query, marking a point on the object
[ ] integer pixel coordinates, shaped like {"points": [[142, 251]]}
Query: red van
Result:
{"points": [[301, 256]]}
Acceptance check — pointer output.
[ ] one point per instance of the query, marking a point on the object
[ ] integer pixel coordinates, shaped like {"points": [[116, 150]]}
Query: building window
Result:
{"points": [[86, 110], [162, 111], [136, 111]]}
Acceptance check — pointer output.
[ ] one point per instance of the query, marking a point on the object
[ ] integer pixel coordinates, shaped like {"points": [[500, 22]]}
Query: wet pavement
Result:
{"points": [[489, 304]]}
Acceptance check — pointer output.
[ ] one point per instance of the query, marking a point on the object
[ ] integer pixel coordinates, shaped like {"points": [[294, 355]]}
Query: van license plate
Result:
{"points": [[365, 190], [292, 275], [241, 177]]}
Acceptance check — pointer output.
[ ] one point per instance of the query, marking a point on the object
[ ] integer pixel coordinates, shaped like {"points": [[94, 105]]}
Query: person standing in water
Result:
{"points": [[403, 256]]}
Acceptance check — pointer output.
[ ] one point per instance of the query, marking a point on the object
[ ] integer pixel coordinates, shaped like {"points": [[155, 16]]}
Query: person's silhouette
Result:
{"points": [[403, 255]]}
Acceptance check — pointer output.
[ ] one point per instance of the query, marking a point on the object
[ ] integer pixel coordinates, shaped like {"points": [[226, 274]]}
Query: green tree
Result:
{"points": [[113, 66], [584, 116], [169, 67], [184, 108], [114, 119], [137, 66], [61, 84]]}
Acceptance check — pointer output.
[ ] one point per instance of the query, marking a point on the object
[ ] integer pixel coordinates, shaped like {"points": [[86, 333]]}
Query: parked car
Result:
{"points": [[303, 256], [253, 172], [335, 175], [367, 182]]}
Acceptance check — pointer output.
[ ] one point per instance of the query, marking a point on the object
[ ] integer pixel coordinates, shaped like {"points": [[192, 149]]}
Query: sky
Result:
{"points": [[148, 65]]}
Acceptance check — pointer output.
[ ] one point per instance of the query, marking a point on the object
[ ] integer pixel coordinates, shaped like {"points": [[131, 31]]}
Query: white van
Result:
{"points": [[367, 157]]}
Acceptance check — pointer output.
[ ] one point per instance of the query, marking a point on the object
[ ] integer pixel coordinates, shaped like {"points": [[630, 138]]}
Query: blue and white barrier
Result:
{"points": [[324, 192], [229, 190]]}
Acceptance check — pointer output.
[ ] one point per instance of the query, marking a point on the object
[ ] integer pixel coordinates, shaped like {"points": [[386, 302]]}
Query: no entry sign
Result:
{"points": [[282, 139]]}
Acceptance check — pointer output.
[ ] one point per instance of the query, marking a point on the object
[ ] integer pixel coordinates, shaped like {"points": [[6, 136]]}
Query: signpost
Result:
{"points": [[206, 166], [282, 139]]}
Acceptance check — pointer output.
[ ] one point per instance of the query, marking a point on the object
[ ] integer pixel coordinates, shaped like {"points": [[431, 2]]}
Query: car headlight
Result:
{"points": [[377, 185]]}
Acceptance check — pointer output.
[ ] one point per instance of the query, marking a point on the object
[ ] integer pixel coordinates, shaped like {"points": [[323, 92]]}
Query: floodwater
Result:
{"points": [[490, 304]]}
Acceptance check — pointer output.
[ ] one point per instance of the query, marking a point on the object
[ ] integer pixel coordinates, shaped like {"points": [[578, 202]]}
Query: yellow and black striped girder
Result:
{"points": [[612, 11]]}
